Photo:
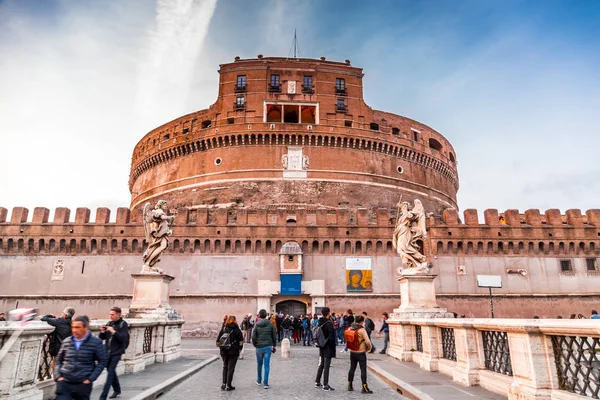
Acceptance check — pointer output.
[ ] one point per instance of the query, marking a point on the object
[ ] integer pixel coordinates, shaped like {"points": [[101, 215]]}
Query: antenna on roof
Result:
{"points": [[294, 46]]}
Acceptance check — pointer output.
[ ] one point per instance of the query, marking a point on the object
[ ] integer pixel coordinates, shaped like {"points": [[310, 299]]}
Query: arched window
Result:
{"points": [[434, 144]]}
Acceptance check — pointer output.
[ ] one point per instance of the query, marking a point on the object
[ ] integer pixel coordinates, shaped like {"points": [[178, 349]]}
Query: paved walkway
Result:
{"points": [[293, 379]]}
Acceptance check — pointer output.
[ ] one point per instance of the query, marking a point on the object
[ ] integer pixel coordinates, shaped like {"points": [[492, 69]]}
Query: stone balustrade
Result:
{"points": [[25, 372], [520, 358]]}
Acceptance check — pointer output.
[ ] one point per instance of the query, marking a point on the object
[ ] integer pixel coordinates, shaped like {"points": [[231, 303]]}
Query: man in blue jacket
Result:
{"points": [[79, 362]]}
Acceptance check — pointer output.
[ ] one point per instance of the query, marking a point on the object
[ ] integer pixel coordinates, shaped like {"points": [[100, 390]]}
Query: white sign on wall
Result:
{"points": [[291, 87], [491, 281]]}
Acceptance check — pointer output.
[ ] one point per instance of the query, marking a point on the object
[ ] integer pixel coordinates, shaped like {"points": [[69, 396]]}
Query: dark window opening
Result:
{"points": [[166, 137], [275, 85], [290, 114], [451, 156], [373, 126], [308, 114], [340, 86], [395, 131], [415, 136], [290, 258], [565, 266], [273, 113], [348, 123], [434, 144], [230, 121], [591, 264], [206, 124], [185, 131], [308, 85], [340, 106], [240, 103], [240, 85]]}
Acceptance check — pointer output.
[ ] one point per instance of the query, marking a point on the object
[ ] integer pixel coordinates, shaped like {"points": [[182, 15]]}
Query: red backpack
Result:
{"points": [[352, 339]]}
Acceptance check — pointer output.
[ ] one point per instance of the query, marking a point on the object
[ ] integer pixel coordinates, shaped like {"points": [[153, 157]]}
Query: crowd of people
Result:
{"points": [[325, 331]]}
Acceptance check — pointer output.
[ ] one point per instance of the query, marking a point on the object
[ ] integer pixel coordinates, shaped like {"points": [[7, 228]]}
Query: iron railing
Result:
{"points": [[577, 360], [340, 108], [147, 346], [341, 91], [448, 345], [419, 338], [45, 369], [496, 352]]}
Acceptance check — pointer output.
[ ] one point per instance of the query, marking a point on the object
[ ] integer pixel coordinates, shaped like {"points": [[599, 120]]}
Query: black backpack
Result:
{"points": [[225, 340], [319, 336], [126, 339], [370, 324]]}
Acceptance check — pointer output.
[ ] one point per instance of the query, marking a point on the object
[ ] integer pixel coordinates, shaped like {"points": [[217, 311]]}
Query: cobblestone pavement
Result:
{"points": [[292, 378]]}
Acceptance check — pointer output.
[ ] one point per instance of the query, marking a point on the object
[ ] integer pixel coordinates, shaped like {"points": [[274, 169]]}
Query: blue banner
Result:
{"points": [[291, 284]]}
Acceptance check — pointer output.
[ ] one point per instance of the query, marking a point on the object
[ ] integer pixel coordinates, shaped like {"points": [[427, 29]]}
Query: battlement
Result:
{"points": [[530, 218]]}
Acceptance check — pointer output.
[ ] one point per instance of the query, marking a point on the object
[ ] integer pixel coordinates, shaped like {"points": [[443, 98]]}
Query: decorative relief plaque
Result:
{"points": [[58, 270], [28, 361], [291, 87]]}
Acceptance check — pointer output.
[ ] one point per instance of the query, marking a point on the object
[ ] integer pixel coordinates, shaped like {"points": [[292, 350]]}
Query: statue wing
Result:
{"points": [[147, 215], [419, 211]]}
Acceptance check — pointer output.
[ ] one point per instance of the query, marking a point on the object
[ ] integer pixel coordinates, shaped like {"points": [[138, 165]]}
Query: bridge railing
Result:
{"points": [[520, 358]]}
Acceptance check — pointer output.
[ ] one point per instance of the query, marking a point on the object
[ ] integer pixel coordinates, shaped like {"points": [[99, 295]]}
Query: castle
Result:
{"points": [[283, 189]]}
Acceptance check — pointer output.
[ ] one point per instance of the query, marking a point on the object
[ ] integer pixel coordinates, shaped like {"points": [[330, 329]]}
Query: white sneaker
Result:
{"points": [[258, 383], [267, 386]]}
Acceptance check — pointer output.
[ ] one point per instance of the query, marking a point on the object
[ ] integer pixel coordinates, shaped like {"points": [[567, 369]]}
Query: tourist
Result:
{"points": [[278, 327], [594, 315], [79, 362], [385, 328], [359, 356], [286, 324], [62, 330], [573, 316], [264, 339], [247, 327], [296, 326], [2, 317], [580, 316], [307, 333], [369, 327], [327, 352], [224, 320], [116, 338], [230, 350], [348, 319]]}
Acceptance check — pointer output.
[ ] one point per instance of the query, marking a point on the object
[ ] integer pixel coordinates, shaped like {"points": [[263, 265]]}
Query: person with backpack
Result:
{"points": [[286, 324], [324, 338], [369, 327], [230, 342], [359, 344], [62, 330], [348, 320], [116, 340]]}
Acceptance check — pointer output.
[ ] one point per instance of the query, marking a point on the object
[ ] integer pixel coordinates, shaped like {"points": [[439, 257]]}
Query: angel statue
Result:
{"points": [[410, 228], [157, 228]]}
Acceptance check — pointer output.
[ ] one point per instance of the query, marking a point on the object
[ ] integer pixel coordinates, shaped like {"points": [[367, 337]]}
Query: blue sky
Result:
{"points": [[514, 85]]}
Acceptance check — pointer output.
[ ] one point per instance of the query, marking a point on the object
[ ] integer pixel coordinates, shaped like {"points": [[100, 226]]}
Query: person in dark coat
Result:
{"points": [[79, 362], [230, 355], [327, 352], [62, 330], [116, 338]]}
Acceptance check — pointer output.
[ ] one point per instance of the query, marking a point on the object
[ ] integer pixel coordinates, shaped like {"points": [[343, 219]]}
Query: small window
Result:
{"points": [[591, 264], [166, 137], [373, 126], [348, 123], [451, 156], [230, 121], [241, 81], [340, 105], [434, 144], [290, 258], [415, 136], [206, 124], [218, 161], [240, 102], [395, 131], [340, 86], [399, 169], [308, 84], [566, 266], [186, 131], [275, 80]]}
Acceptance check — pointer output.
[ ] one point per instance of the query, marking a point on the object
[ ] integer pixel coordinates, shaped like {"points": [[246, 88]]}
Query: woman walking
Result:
{"points": [[230, 341]]}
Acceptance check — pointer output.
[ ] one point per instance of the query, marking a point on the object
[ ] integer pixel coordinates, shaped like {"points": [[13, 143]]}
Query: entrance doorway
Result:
{"points": [[291, 307]]}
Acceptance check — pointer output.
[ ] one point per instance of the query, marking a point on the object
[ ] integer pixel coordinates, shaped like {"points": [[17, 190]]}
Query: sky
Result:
{"points": [[513, 85]]}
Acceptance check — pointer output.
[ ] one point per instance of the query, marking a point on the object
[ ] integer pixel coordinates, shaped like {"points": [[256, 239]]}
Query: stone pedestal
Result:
{"points": [[417, 296], [151, 297]]}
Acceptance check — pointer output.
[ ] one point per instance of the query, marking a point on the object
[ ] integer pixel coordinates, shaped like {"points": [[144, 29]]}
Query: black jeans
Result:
{"points": [[228, 368], [324, 364], [361, 359], [111, 378], [73, 391]]}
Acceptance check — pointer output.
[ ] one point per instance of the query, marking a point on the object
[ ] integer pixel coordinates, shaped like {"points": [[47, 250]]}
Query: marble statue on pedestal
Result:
{"points": [[410, 228], [157, 226]]}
